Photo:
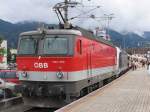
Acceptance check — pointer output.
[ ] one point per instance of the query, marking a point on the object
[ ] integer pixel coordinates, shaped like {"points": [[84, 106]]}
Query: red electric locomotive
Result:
{"points": [[57, 66]]}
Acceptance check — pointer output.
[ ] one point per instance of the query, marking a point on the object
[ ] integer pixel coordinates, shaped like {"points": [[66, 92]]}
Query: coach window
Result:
{"points": [[10, 74], [2, 74]]}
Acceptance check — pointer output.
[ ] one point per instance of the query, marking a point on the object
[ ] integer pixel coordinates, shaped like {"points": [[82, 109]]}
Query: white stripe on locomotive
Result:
{"points": [[67, 76]]}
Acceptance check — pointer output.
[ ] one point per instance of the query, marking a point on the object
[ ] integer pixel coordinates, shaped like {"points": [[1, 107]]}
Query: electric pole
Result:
{"points": [[109, 17]]}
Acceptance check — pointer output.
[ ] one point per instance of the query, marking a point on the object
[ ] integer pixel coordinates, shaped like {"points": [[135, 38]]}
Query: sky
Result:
{"points": [[129, 15]]}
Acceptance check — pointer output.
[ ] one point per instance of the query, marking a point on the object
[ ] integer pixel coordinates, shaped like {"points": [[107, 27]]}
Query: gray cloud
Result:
{"points": [[130, 15], [21, 10]]}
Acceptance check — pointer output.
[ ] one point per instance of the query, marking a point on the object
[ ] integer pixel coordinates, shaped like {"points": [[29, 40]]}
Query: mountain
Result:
{"points": [[11, 32], [146, 35], [133, 40], [129, 40], [116, 38]]}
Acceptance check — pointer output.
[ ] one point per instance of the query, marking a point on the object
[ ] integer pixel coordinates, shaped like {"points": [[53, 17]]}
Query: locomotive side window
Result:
{"points": [[79, 46], [55, 45], [27, 46]]}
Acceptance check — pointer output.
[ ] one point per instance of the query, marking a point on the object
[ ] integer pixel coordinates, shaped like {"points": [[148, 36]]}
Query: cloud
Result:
{"points": [[130, 15], [27, 10]]}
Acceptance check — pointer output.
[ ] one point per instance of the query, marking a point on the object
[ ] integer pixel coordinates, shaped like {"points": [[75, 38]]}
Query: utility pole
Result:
{"points": [[109, 17]]}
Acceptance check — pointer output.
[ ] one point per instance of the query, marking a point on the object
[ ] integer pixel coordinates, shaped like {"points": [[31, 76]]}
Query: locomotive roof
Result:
{"points": [[52, 31], [76, 31], [90, 35]]}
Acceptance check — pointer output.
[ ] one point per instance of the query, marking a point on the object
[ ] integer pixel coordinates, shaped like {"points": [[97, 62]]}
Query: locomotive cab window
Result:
{"points": [[27, 45], [46, 45], [57, 45]]}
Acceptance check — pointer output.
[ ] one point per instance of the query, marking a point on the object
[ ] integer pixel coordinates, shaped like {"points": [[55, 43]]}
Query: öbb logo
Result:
{"points": [[40, 65]]}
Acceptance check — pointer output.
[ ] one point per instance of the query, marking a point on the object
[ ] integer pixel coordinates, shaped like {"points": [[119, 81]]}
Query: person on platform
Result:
{"points": [[132, 65], [148, 63], [148, 67]]}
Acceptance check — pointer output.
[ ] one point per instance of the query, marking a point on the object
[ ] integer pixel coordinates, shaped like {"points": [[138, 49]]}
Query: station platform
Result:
{"points": [[11, 104], [129, 93]]}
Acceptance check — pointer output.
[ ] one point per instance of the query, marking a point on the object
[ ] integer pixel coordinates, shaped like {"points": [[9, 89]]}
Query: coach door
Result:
{"points": [[89, 64]]}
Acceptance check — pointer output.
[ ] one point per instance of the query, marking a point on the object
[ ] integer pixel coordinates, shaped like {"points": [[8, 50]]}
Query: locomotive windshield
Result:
{"points": [[27, 45], [46, 45], [55, 45]]}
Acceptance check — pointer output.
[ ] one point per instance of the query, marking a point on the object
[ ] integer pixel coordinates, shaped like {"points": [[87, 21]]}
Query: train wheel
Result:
{"points": [[83, 92]]}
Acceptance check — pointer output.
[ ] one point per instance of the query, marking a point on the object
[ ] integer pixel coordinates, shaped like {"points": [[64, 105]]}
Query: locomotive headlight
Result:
{"points": [[59, 75], [24, 74]]}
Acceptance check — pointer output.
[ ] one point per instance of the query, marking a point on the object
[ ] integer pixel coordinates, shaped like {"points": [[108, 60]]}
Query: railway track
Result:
{"points": [[33, 109]]}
